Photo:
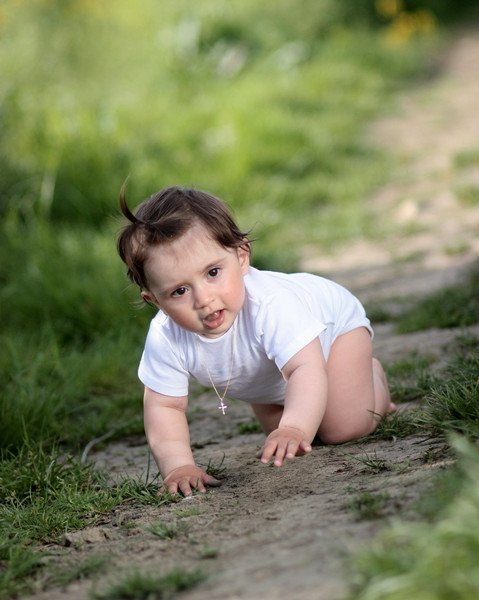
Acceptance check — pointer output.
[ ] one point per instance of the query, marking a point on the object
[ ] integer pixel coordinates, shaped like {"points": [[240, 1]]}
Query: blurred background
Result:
{"points": [[264, 104]]}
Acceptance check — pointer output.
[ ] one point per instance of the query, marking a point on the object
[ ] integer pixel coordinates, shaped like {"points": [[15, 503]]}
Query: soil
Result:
{"points": [[290, 532]]}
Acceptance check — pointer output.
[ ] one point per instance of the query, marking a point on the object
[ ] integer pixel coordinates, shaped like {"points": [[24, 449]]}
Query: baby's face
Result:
{"points": [[197, 282]]}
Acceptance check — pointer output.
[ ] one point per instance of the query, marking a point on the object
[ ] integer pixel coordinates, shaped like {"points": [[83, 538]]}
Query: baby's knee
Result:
{"points": [[337, 437], [348, 432], [326, 438]]}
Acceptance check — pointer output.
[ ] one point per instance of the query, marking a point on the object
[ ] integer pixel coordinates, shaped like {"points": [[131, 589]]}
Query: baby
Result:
{"points": [[297, 347]]}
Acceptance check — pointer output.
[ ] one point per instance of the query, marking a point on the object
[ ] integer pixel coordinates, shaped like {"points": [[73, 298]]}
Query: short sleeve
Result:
{"points": [[285, 326], [161, 367]]}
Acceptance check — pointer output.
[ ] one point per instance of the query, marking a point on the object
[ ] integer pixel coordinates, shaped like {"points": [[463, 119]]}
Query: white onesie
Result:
{"points": [[282, 313]]}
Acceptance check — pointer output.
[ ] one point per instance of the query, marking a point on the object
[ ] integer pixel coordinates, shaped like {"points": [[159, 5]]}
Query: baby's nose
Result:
{"points": [[203, 297]]}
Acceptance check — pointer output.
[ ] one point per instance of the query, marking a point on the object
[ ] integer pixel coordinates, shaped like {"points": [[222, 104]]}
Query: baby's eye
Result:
{"points": [[179, 292], [214, 272]]}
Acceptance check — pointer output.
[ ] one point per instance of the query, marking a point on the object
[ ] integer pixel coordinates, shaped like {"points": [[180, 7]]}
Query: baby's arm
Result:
{"points": [[305, 403], [169, 440]]}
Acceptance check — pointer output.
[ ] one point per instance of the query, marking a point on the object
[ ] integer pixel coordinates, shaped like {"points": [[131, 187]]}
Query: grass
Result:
{"points": [[372, 464], [145, 586], [455, 306], [467, 158], [397, 425], [77, 571], [190, 512], [63, 375], [433, 557], [468, 194], [264, 104], [216, 470], [251, 426], [367, 505], [18, 565], [168, 531], [410, 379], [208, 552], [452, 405], [49, 495], [285, 123]]}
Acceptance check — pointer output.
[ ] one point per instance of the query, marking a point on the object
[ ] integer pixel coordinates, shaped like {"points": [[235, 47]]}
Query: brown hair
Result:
{"points": [[166, 216]]}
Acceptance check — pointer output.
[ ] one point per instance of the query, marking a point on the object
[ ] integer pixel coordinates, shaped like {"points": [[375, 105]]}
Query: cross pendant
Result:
{"points": [[222, 406]]}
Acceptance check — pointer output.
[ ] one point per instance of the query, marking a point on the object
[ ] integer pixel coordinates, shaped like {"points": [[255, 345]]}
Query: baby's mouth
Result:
{"points": [[213, 316], [215, 319]]}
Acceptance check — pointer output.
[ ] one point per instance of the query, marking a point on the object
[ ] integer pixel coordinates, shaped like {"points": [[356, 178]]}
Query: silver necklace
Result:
{"points": [[221, 398]]}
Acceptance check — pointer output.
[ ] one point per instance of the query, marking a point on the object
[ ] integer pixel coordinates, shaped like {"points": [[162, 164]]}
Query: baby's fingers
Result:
{"points": [[177, 486], [279, 449], [187, 479], [187, 486], [292, 449], [267, 452], [304, 448], [212, 482], [199, 484], [284, 443]]}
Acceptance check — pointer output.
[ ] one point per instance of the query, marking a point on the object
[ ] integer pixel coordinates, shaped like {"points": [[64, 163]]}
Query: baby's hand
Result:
{"points": [[284, 442], [188, 478]]}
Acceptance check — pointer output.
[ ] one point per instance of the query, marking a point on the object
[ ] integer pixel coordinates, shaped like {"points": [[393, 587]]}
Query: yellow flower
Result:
{"points": [[407, 24], [388, 8]]}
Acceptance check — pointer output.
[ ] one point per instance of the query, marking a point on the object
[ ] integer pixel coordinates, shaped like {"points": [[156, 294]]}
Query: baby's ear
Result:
{"points": [[149, 297], [244, 257]]}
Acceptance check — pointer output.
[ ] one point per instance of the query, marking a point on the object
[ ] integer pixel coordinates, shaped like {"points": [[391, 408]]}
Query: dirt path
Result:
{"points": [[286, 533], [430, 231]]}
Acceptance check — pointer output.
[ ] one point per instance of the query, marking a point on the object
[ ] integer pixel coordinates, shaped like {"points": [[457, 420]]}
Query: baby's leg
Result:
{"points": [[358, 392], [268, 415]]}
